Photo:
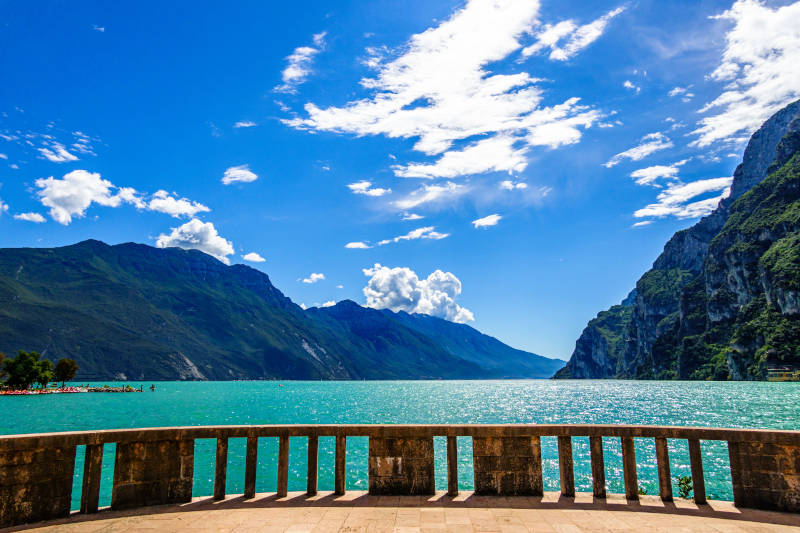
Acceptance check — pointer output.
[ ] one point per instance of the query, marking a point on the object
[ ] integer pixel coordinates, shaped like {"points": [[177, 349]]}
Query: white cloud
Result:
{"points": [[629, 85], [677, 91], [487, 221], [759, 69], [641, 223], [329, 303], [650, 143], [101, 29], [509, 185], [495, 154], [365, 187], [340, 286], [650, 175], [253, 257], [245, 124], [57, 153], [438, 89], [427, 232], [675, 200], [299, 63], [574, 38], [74, 193], [3, 207], [430, 194], [238, 174], [314, 277], [198, 235], [176, 207], [400, 289], [358, 245], [412, 216], [3, 156], [30, 217]]}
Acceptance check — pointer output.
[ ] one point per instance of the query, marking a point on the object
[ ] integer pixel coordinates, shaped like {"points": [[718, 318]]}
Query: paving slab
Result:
{"points": [[466, 513]]}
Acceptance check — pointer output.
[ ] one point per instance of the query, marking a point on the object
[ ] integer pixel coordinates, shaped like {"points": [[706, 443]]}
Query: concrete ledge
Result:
{"points": [[358, 511]]}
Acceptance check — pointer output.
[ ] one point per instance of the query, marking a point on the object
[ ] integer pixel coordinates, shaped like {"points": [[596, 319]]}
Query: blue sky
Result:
{"points": [[511, 164]]}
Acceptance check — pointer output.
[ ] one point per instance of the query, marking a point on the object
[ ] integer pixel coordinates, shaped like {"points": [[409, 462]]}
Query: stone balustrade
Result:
{"points": [[156, 466]]}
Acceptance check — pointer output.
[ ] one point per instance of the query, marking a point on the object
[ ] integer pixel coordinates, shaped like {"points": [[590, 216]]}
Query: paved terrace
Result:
{"points": [[154, 472], [360, 512]]}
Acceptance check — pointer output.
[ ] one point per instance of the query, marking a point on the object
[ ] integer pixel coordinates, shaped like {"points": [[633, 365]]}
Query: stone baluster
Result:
{"points": [[664, 476], [250, 467], [598, 467], [221, 468], [313, 465], [565, 466], [698, 480]]}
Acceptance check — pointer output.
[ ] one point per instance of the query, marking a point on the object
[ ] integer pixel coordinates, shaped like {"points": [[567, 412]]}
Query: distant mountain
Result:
{"points": [[497, 359], [723, 299], [131, 311]]}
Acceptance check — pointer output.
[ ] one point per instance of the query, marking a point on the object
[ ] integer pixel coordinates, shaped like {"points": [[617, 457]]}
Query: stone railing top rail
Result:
{"points": [[75, 438]]}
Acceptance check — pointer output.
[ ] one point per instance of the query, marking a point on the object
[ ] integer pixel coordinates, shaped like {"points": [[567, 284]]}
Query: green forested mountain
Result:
{"points": [[132, 311], [723, 299]]}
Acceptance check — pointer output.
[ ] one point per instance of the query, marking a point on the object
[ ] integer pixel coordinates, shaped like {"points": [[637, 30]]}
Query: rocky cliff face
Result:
{"points": [[692, 310]]}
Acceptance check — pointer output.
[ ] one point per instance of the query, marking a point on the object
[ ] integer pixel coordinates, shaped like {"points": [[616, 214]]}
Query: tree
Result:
{"points": [[44, 372], [65, 370], [2, 366], [23, 370], [26, 369]]}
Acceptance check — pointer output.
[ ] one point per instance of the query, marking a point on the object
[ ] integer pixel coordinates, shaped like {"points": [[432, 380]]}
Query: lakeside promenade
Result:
{"points": [[358, 512], [154, 467]]}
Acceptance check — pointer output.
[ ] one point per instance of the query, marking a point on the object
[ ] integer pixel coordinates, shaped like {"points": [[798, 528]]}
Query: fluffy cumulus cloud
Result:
{"points": [[487, 221], [163, 202], [439, 89], [357, 245], [30, 217], [74, 193], [245, 124], [238, 174], [3, 206], [412, 216], [198, 235], [365, 187], [400, 289], [299, 65], [758, 69], [678, 199], [253, 257], [314, 277], [510, 185], [650, 143], [567, 38]]}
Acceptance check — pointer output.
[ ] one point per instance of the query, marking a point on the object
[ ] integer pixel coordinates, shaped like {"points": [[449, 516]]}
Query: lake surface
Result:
{"points": [[714, 404]]}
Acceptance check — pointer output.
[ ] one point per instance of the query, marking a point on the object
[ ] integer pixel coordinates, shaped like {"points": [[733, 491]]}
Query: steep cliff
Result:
{"points": [[694, 311]]}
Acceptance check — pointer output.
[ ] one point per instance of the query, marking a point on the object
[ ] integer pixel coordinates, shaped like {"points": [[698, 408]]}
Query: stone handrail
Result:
{"points": [[156, 465]]}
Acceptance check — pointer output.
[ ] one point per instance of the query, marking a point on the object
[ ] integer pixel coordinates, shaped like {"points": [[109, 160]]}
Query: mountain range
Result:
{"points": [[135, 312], [723, 299]]}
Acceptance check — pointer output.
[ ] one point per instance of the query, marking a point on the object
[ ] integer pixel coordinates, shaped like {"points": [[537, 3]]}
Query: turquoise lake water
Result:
{"points": [[714, 404]]}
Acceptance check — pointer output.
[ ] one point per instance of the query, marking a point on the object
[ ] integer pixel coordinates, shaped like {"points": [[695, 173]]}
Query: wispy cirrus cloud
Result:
{"points": [[439, 89], [650, 143], [299, 65], [676, 199], [758, 68], [566, 39], [424, 233]]}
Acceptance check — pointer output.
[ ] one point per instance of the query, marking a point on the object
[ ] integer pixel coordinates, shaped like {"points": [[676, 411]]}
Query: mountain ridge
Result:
{"points": [[132, 311]]}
